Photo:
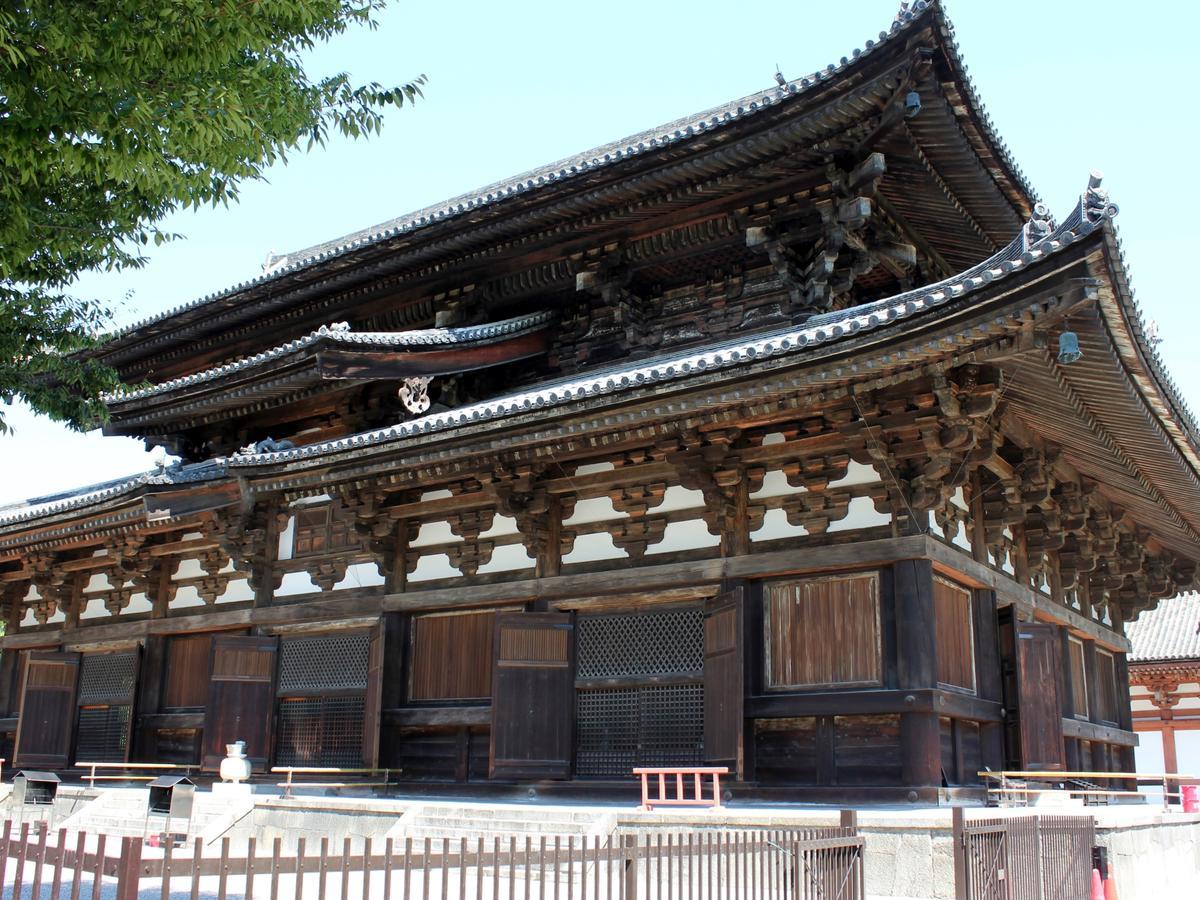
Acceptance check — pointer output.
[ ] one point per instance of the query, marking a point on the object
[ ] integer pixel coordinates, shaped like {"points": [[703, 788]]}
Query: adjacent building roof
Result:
{"points": [[1169, 632]]}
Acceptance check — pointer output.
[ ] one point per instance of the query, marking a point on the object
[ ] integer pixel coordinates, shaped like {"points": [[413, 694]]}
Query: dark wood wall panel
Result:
{"points": [[47, 709], [1077, 669], [954, 617], [823, 631], [186, 684], [1106, 688], [1039, 676], [785, 750], [532, 692], [452, 657], [867, 750]]}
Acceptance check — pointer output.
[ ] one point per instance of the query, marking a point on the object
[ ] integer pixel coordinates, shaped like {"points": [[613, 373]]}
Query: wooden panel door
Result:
{"points": [[372, 702], [47, 710], [723, 680], [1039, 671], [241, 698], [532, 696]]}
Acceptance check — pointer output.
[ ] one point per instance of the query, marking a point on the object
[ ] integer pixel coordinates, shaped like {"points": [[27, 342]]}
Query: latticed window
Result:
{"points": [[625, 716], [321, 528], [105, 699], [322, 699]]}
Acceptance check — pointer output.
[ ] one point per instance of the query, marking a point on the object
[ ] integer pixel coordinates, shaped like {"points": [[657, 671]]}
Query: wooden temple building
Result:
{"points": [[760, 439]]}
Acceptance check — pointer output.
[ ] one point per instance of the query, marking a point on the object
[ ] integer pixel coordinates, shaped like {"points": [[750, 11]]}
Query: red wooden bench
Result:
{"points": [[678, 773]]}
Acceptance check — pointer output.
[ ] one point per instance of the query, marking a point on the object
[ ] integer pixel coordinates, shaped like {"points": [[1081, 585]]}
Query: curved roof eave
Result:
{"points": [[677, 132]]}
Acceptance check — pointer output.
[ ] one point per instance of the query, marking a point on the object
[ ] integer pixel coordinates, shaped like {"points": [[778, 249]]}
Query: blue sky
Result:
{"points": [[1070, 86]]}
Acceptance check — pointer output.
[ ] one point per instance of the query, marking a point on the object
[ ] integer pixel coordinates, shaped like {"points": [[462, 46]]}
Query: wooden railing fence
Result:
{"points": [[1028, 857], [821, 863]]}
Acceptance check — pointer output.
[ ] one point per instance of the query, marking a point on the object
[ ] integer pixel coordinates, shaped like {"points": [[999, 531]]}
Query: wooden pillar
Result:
{"points": [[151, 676], [549, 561], [269, 554], [916, 668], [1170, 754], [978, 540], [395, 628]]}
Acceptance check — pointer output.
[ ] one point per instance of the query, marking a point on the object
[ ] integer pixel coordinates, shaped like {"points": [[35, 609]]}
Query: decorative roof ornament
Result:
{"points": [[1094, 205], [414, 394], [1039, 227], [334, 328]]}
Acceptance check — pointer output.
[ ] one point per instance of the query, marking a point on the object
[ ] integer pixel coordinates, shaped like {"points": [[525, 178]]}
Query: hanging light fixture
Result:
{"points": [[1068, 347]]}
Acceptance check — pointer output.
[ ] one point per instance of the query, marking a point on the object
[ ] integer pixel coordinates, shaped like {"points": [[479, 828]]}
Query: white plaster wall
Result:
{"points": [[691, 534], [594, 509], [502, 526], [434, 533], [188, 568], [237, 590], [593, 547], [677, 497], [186, 596], [775, 484], [98, 582], [287, 538], [861, 513], [93, 608], [856, 473], [775, 525], [433, 567], [507, 558], [296, 583], [436, 495], [34, 594], [28, 621], [364, 574], [138, 603]]}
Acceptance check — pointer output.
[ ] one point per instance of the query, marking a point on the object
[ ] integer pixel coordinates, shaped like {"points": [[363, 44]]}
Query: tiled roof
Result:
{"points": [[586, 163], [1171, 631], [39, 507], [339, 334], [1038, 240]]}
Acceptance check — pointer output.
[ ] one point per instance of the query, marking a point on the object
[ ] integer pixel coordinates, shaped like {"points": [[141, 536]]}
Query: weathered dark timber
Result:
{"points": [[459, 493]]}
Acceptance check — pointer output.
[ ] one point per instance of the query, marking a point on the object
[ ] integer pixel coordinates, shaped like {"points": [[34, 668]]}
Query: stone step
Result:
{"points": [[498, 824], [481, 812]]}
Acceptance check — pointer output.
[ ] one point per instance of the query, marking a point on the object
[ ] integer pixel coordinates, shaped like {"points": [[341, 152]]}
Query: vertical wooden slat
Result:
{"points": [[298, 887], [248, 890], [570, 867], [512, 868], [345, 866], [425, 869], [495, 867], [22, 849], [76, 869], [445, 868], [388, 849], [542, 868], [407, 866], [97, 869], [59, 858], [366, 870], [223, 874], [5, 844], [275, 848], [39, 858], [168, 853], [322, 868]]}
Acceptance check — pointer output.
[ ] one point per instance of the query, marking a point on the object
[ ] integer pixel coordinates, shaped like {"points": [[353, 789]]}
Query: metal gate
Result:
{"points": [[1023, 857], [830, 868]]}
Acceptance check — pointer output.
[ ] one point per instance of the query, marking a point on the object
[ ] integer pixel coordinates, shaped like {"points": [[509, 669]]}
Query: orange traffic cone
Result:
{"points": [[1110, 884], [1097, 885]]}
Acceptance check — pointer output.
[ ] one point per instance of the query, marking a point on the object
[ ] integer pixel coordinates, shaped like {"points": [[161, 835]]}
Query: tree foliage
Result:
{"points": [[114, 113]]}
